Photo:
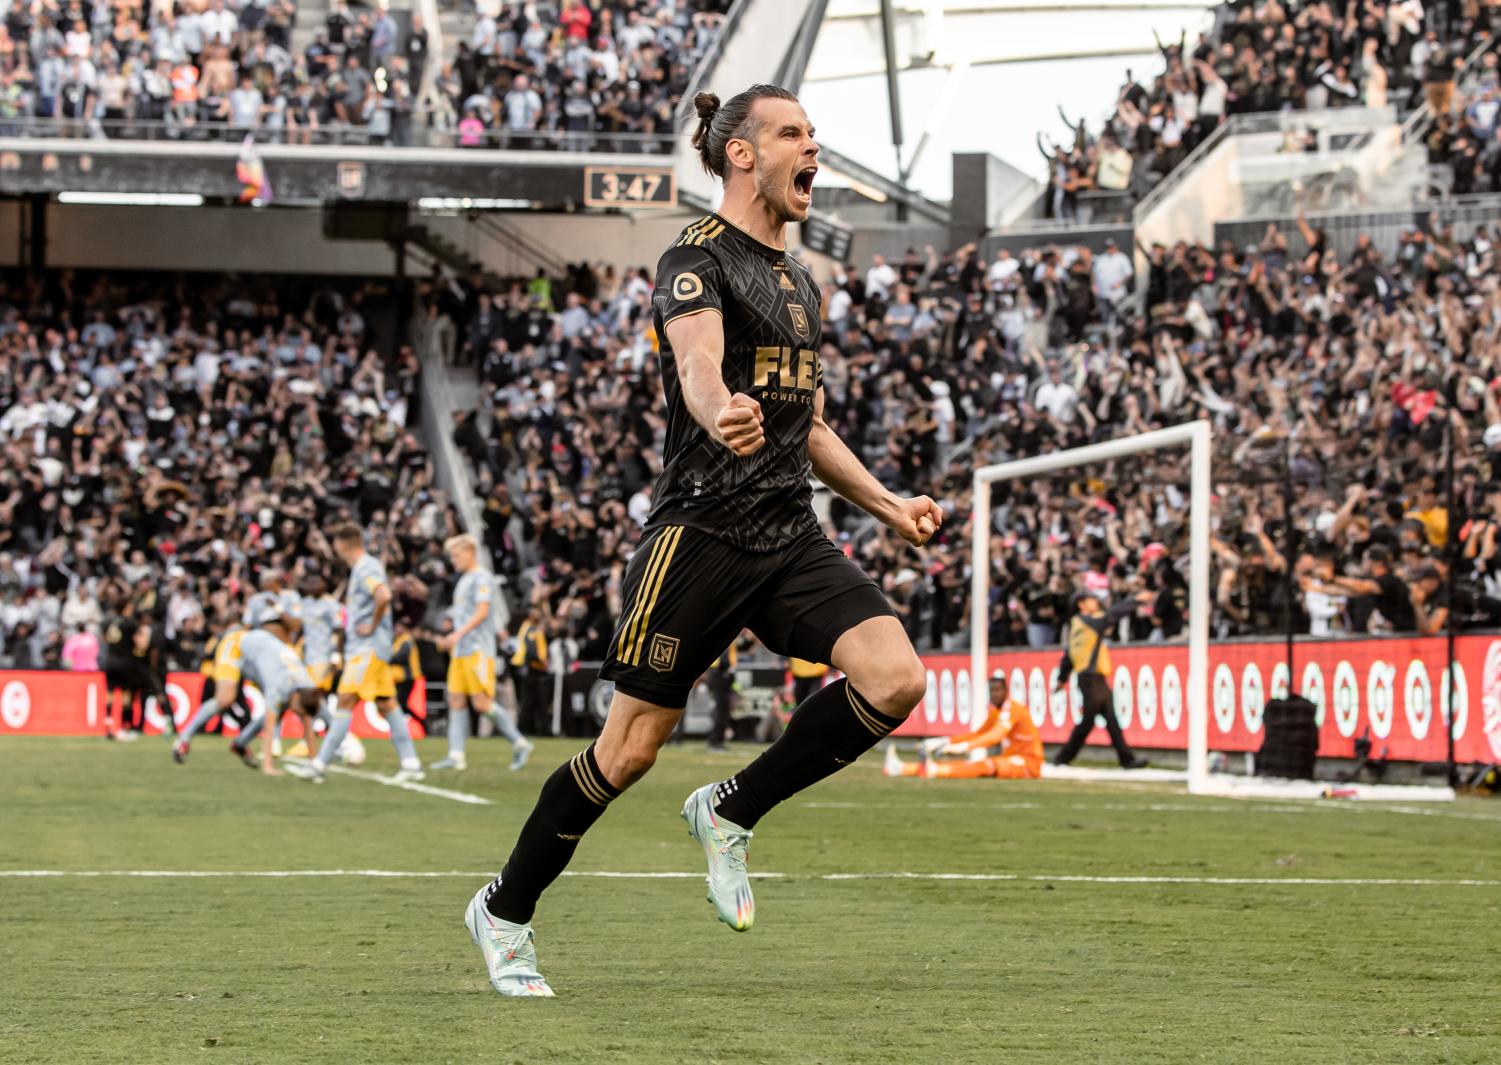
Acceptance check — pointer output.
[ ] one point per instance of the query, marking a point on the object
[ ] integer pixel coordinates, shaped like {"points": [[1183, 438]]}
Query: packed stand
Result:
{"points": [[527, 75], [934, 364], [169, 440], [1261, 57]]}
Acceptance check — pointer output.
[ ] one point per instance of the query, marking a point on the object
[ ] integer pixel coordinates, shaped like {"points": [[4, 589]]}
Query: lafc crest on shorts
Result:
{"points": [[662, 653]]}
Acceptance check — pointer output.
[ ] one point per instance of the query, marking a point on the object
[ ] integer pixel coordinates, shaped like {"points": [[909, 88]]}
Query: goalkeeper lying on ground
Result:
{"points": [[1008, 726]]}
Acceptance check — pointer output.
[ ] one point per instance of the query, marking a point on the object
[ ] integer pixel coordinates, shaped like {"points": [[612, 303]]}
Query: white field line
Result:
{"points": [[405, 785], [1205, 881]]}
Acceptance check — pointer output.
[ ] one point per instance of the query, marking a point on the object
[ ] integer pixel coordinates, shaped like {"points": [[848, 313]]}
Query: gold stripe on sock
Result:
{"points": [[659, 579], [585, 786], [639, 599], [596, 778], [863, 715]]}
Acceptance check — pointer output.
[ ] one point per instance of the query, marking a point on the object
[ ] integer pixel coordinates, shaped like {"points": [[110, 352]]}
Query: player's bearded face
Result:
{"points": [[786, 159]]}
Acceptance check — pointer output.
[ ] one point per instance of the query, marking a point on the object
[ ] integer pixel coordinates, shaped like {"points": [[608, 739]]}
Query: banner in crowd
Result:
{"points": [[1395, 690], [43, 703]]}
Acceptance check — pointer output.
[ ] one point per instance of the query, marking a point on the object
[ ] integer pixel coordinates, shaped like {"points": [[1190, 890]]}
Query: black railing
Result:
{"points": [[414, 130]]}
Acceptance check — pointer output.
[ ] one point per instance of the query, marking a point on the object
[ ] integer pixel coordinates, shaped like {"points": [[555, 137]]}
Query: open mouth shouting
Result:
{"points": [[802, 186]]}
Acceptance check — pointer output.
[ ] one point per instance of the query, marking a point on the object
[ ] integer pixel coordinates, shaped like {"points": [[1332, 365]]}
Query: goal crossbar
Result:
{"points": [[1197, 437]]}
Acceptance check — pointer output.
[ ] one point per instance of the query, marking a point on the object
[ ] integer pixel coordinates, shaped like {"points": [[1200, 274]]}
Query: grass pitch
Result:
{"points": [[374, 970]]}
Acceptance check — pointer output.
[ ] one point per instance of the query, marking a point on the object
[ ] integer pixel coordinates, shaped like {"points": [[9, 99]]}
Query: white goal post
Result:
{"points": [[1196, 435]]}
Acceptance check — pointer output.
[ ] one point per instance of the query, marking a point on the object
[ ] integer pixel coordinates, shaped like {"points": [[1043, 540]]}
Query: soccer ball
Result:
{"points": [[352, 751]]}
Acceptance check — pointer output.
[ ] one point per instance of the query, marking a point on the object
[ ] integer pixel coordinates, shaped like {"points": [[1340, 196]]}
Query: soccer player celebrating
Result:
{"points": [[471, 665], [1008, 725], [369, 636], [731, 541]]}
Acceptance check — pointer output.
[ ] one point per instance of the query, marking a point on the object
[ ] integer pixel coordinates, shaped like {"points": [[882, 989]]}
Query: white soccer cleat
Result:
{"points": [[307, 771], [409, 774], [520, 755], [892, 767], [724, 847], [456, 762], [509, 950]]}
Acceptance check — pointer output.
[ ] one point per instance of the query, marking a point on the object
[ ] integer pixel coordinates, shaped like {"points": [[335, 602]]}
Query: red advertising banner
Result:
{"points": [[1397, 689], [43, 703]]}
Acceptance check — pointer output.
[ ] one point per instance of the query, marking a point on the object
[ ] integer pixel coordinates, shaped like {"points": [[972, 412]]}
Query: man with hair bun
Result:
{"points": [[731, 540]]}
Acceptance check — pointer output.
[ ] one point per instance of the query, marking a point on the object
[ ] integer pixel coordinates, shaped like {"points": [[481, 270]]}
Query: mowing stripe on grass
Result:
{"points": [[1240, 806], [1040, 878]]}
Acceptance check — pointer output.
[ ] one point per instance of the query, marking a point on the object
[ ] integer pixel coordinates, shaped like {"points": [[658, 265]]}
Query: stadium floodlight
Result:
{"points": [[1197, 436], [132, 199]]}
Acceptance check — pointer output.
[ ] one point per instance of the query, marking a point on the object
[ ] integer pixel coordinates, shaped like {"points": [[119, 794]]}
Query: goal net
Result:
{"points": [[1172, 691]]}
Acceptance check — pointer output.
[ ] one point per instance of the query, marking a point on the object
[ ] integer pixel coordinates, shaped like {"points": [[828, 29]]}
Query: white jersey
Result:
{"points": [[475, 587]]}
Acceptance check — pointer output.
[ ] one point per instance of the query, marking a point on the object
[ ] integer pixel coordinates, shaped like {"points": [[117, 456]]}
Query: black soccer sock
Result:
{"points": [[829, 730], [573, 799]]}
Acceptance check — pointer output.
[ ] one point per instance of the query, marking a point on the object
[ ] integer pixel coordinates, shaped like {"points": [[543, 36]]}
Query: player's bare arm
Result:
{"points": [[481, 612], [733, 420], [914, 519], [382, 603]]}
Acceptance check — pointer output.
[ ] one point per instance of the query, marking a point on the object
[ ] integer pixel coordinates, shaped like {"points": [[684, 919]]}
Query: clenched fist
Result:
{"points": [[917, 520], [738, 425]]}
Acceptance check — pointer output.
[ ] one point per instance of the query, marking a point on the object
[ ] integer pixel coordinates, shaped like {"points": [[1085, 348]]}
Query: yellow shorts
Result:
{"points": [[227, 659], [323, 676], [367, 677], [472, 675]]}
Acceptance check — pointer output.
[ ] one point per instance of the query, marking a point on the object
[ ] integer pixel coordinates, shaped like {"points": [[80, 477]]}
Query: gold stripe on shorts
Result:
{"points": [[636, 639], [639, 600]]}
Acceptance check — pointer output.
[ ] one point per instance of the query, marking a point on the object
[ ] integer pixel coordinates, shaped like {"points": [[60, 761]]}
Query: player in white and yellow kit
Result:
{"points": [[472, 650], [369, 639]]}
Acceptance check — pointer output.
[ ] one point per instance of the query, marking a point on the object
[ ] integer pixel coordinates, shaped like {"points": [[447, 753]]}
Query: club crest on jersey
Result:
{"points": [[799, 319], [662, 653], [687, 286]]}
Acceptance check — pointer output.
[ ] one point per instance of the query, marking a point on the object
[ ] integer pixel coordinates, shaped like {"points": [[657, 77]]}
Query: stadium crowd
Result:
{"points": [[526, 75], [152, 471], [168, 441], [1353, 369], [1274, 57]]}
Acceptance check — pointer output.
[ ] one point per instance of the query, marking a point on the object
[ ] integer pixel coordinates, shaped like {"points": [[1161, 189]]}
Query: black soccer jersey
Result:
{"points": [[770, 307]]}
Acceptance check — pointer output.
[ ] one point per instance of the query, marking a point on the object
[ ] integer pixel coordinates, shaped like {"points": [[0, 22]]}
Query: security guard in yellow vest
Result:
{"points": [[807, 678], [529, 664], [1085, 653]]}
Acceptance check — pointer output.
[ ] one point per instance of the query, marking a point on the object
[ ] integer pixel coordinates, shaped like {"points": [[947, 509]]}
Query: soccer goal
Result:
{"points": [[1163, 701]]}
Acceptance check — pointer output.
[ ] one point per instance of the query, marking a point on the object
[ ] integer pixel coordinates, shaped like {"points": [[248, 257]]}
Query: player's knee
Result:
{"points": [[627, 762], [896, 687]]}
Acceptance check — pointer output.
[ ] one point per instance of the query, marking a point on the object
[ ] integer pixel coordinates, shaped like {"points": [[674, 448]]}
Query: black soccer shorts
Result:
{"points": [[688, 594]]}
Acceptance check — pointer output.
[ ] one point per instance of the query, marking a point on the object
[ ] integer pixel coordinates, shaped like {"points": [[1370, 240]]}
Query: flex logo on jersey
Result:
{"points": [[687, 286], [799, 319], [662, 653], [795, 371]]}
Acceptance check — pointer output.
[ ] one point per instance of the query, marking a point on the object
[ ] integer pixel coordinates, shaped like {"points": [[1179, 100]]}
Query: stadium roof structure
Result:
{"points": [[969, 75]]}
